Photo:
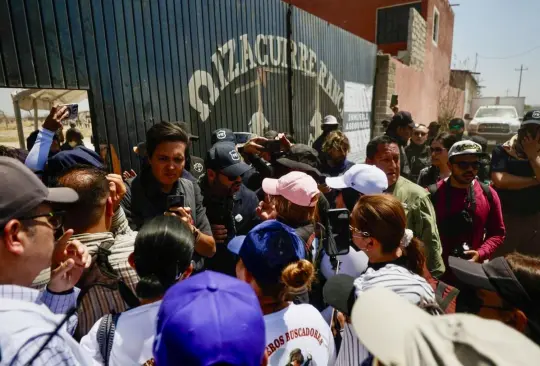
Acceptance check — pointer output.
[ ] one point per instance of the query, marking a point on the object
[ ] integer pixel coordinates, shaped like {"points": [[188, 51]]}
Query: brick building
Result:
{"points": [[415, 43]]}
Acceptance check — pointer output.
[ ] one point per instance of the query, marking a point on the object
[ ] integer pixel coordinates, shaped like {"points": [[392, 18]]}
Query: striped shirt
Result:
{"points": [[396, 278], [100, 301]]}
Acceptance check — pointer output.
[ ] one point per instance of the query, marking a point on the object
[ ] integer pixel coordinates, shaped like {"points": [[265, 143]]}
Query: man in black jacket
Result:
{"points": [[231, 205], [401, 128], [418, 152]]}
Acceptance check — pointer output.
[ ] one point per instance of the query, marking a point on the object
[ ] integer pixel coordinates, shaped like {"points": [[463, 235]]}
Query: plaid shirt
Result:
{"points": [[98, 301], [27, 320]]}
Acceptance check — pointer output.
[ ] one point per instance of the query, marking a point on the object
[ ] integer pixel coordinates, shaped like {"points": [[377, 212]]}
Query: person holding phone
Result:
{"points": [[231, 205], [147, 193], [396, 261]]}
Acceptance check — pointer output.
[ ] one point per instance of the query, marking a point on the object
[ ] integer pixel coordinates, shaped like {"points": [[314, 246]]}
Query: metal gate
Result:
{"points": [[249, 65]]}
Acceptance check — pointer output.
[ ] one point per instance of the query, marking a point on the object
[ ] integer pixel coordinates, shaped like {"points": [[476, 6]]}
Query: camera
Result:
{"points": [[460, 250]]}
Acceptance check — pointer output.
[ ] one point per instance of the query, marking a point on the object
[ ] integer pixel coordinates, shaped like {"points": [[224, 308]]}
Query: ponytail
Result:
{"points": [[416, 259], [295, 277], [150, 287]]}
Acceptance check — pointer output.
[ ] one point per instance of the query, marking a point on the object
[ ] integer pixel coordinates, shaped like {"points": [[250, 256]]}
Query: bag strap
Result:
{"points": [[487, 191], [444, 301], [105, 335]]}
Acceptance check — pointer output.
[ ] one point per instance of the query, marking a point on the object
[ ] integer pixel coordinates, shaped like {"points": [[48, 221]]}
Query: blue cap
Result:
{"points": [[69, 158], [267, 249], [207, 319]]}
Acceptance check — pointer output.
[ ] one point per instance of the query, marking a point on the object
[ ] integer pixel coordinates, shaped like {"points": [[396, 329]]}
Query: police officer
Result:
{"points": [[231, 205]]}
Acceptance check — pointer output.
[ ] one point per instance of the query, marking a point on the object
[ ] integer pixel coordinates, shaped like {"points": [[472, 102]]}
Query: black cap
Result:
{"points": [[224, 158], [223, 135], [496, 275], [187, 129], [21, 190], [67, 159], [402, 119], [532, 117], [339, 292], [304, 159], [456, 122]]}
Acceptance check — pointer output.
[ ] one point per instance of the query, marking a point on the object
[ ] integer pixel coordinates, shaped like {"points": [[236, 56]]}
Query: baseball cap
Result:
{"points": [[402, 119], [222, 135], [223, 157], [397, 332], [21, 190], [267, 249], [466, 147], [495, 275], [303, 158], [69, 158], [342, 290], [532, 117], [456, 124], [208, 319], [187, 129], [297, 187], [364, 178], [330, 120]]}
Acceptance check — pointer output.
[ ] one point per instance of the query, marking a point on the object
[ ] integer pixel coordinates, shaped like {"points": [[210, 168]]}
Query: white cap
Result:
{"points": [[364, 178], [400, 333], [330, 120]]}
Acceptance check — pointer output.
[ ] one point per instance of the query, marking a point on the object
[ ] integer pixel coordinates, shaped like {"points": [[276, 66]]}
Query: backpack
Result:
{"points": [[445, 295], [102, 291]]}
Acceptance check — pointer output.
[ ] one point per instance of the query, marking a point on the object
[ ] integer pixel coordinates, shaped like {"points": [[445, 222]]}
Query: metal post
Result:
{"points": [[20, 130], [36, 122], [520, 77]]}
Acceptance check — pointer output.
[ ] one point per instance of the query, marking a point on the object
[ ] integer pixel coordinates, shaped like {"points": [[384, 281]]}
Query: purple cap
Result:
{"points": [[207, 319], [267, 249]]}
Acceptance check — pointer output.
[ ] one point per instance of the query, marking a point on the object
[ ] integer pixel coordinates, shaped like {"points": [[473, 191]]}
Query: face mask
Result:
{"points": [[73, 144]]}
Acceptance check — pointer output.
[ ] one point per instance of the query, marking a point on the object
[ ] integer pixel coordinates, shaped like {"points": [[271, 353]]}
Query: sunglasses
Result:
{"points": [[362, 234], [455, 128], [464, 165], [420, 134], [437, 150], [55, 218]]}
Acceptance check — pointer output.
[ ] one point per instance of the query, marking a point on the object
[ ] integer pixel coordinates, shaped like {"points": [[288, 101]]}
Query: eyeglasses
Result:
{"points": [[464, 165], [55, 218], [420, 134], [362, 234], [437, 150]]}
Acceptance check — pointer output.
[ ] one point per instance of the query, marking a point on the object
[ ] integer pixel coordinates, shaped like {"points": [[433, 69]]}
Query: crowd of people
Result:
{"points": [[272, 252]]}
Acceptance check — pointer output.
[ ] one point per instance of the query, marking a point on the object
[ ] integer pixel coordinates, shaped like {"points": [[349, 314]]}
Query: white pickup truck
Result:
{"points": [[496, 123]]}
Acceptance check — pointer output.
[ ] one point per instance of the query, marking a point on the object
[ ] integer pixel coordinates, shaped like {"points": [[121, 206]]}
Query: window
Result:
{"points": [[393, 23], [436, 21]]}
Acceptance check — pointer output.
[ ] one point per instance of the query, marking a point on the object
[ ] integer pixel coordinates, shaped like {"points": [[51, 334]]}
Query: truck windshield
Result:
{"points": [[497, 112]]}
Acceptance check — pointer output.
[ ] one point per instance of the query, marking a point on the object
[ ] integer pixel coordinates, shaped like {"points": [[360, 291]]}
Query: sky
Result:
{"points": [[499, 29]]}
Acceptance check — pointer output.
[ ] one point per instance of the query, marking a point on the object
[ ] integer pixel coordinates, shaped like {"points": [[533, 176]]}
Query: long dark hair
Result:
{"points": [[383, 216], [163, 251]]}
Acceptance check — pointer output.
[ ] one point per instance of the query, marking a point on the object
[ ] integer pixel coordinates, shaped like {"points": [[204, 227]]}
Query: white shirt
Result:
{"points": [[133, 338], [298, 327]]}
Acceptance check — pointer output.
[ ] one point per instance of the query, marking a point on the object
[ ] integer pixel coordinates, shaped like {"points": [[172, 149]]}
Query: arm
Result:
{"points": [[424, 226], [205, 245], [508, 181], [61, 304], [134, 222], [495, 230], [90, 345], [37, 157], [57, 352]]}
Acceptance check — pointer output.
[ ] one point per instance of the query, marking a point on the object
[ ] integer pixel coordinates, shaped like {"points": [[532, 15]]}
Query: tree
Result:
{"points": [[449, 102]]}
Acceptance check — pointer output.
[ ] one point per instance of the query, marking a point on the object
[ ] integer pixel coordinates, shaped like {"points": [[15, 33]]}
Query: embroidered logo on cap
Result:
{"points": [[536, 114], [234, 155], [221, 134], [198, 167]]}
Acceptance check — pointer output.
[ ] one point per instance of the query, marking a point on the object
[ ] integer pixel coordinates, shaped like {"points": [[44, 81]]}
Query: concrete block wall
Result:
{"points": [[385, 86], [416, 42]]}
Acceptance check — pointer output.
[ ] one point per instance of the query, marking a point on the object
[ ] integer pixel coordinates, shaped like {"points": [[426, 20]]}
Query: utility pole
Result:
{"points": [[507, 92], [520, 78], [475, 62]]}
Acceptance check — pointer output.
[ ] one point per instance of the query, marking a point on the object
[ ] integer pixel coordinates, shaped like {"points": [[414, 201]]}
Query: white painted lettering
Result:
{"points": [[303, 56], [275, 61], [323, 71], [261, 39], [312, 63], [247, 55], [202, 79]]}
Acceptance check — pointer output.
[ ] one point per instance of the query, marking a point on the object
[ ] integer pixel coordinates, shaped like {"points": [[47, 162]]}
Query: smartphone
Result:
{"points": [[340, 240], [243, 137], [272, 146], [394, 100], [73, 110], [176, 200]]}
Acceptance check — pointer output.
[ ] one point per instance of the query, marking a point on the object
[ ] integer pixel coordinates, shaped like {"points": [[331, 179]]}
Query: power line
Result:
{"points": [[511, 56]]}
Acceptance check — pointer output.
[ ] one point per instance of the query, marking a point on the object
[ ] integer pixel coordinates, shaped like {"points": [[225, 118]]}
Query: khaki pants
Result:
{"points": [[522, 235]]}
